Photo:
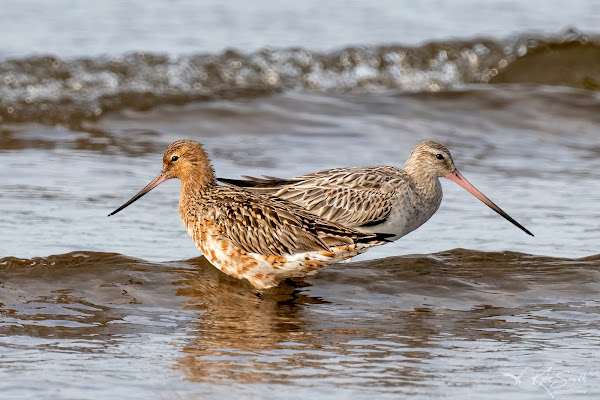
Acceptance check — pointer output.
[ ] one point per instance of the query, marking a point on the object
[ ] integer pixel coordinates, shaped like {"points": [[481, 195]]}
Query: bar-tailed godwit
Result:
{"points": [[247, 235], [382, 199]]}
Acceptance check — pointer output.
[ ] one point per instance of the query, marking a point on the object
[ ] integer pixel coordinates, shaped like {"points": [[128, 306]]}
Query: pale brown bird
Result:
{"points": [[381, 199], [247, 235]]}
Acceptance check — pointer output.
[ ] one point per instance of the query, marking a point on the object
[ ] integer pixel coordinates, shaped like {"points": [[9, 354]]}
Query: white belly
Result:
{"points": [[405, 217]]}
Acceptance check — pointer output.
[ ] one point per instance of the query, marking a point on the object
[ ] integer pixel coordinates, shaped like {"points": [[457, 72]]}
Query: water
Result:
{"points": [[70, 28], [467, 306], [425, 326]]}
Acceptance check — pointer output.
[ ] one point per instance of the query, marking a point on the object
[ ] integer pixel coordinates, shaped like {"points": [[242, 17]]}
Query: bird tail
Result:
{"points": [[258, 183], [380, 238]]}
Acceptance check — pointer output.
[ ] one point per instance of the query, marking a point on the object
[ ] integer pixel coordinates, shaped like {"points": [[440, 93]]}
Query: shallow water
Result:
{"points": [[531, 149], [450, 324], [445, 325], [125, 307]]}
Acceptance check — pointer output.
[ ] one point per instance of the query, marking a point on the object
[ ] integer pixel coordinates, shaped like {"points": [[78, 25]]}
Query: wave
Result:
{"points": [[460, 260], [51, 90]]}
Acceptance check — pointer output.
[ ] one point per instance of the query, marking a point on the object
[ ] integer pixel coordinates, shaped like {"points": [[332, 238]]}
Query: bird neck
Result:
{"points": [[198, 180], [195, 188], [426, 184]]}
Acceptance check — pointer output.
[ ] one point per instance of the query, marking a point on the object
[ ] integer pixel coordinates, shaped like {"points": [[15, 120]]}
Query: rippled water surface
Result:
{"points": [[467, 306], [430, 326], [531, 149], [451, 324]]}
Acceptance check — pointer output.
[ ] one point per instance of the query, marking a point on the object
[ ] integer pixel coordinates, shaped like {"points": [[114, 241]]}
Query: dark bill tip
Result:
{"points": [[155, 182], [460, 180]]}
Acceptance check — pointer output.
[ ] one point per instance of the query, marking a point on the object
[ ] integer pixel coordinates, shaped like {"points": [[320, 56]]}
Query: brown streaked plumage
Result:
{"points": [[380, 199], [248, 235]]}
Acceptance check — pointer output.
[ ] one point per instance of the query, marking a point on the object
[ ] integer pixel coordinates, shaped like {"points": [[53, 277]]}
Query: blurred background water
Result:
{"points": [[97, 307], [71, 28]]}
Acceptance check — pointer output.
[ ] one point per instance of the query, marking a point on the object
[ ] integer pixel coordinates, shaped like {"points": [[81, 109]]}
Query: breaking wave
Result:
{"points": [[51, 90]]}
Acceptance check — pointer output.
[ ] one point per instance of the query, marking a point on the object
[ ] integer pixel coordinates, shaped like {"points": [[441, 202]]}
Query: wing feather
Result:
{"points": [[265, 225], [349, 196]]}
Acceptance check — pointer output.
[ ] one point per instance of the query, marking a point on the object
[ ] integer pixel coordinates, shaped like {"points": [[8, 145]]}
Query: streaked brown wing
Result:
{"points": [[352, 196], [352, 207], [262, 225], [348, 196]]}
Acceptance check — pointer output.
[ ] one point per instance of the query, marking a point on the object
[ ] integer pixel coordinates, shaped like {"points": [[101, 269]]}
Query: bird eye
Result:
{"points": [[174, 158], [439, 156]]}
